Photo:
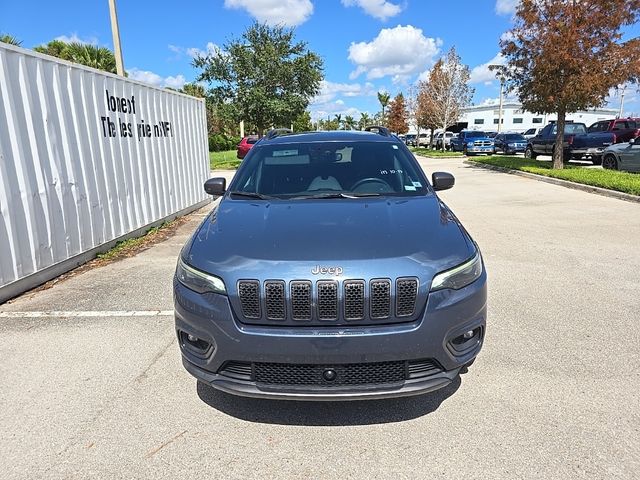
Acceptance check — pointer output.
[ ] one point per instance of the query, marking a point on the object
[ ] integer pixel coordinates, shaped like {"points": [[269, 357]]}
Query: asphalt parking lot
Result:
{"points": [[93, 387]]}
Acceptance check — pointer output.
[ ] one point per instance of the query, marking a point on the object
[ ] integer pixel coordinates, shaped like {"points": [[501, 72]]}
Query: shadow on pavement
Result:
{"points": [[287, 412]]}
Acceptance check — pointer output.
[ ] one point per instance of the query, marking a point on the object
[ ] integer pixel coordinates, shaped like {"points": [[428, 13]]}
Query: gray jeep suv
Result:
{"points": [[329, 269]]}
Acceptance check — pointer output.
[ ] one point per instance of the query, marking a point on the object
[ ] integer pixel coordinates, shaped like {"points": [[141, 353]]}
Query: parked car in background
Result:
{"points": [[624, 129], [578, 144], [447, 140], [245, 145], [509, 143], [410, 139], [424, 140], [471, 142], [623, 156], [532, 132]]}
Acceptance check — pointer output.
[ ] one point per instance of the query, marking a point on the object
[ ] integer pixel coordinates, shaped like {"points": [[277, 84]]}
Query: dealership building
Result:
{"points": [[515, 119]]}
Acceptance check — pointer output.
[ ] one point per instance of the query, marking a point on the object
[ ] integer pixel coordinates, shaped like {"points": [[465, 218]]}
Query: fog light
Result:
{"points": [[194, 344], [468, 335]]}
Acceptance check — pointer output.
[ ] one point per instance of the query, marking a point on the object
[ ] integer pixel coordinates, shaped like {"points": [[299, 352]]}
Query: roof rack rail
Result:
{"points": [[277, 132], [379, 129]]}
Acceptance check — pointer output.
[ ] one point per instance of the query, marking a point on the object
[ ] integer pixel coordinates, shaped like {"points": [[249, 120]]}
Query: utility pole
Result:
{"points": [[115, 30]]}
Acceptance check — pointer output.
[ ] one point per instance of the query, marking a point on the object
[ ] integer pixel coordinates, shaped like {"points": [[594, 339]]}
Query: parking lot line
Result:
{"points": [[104, 313]]}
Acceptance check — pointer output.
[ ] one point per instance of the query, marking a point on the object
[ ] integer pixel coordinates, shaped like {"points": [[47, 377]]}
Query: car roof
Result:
{"points": [[329, 136]]}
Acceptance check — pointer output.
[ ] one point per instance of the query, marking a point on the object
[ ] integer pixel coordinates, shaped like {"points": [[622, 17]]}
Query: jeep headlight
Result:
{"points": [[460, 276], [198, 281]]}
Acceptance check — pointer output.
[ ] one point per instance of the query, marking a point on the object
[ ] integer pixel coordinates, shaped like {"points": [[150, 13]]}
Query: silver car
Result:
{"points": [[623, 156]]}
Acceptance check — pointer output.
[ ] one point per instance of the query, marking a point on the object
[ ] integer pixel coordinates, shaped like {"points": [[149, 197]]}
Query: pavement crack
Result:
{"points": [[154, 360], [153, 451]]}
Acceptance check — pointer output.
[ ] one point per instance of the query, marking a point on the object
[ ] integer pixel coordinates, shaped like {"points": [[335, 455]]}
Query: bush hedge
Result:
{"points": [[222, 143]]}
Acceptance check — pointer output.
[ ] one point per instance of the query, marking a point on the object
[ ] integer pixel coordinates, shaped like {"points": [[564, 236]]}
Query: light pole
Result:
{"points": [[499, 69], [621, 102], [115, 30]]}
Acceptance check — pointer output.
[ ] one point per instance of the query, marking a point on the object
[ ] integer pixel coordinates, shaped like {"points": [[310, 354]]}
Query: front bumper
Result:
{"points": [[447, 315], [480, 149], [587, 152]]}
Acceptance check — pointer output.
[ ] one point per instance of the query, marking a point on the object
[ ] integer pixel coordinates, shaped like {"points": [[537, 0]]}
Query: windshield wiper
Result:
{"points": [[335, 195], [250, 195]]}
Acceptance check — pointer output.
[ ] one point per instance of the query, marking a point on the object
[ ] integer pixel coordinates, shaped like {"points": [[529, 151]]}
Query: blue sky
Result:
{"points": [[367, 45]]}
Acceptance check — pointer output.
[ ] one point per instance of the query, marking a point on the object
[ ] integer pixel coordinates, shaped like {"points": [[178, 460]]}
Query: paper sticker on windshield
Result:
{"points": [[417, 184], [284, 153], [410, 188]]}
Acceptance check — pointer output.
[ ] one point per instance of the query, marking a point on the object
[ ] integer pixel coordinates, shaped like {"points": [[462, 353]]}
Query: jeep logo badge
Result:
{"points": [[318, 270]]}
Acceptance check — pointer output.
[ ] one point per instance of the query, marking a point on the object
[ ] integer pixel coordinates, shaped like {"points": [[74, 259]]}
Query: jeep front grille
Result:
{"points": [[406, 292], [301, 300], [329, 302], [380, 298], [354, 299], [249, 292]]}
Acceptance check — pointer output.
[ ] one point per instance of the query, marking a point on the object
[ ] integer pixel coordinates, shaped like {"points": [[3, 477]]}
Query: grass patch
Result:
{"points": [[427, 152], [226, 160], [132, 246], [596, 177]]}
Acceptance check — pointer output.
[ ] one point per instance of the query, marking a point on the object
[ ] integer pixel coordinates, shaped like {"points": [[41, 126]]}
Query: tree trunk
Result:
{"points": [[558, 149]]}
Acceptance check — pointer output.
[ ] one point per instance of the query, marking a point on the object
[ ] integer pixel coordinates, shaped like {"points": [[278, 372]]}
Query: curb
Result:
{"points": [[556, 181]]}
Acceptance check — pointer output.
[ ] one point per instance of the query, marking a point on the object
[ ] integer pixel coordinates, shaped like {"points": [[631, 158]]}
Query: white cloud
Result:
{"points": [[275, 12], [152, 78], [210, 49], [330, 109], [376, 8], [330, 90], [395, 51], [506, 7], [482, 74], [74, 38], [176, 82]]}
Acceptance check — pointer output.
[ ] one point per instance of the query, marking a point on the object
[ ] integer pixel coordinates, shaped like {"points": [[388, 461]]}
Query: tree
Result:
{"points": [[194, 89], [303, 122], [383, 98], [100, 58], [398, 115], [349, 122], [10, 39], [565, 55], [443, 96], [266, 74], [365, 120]]}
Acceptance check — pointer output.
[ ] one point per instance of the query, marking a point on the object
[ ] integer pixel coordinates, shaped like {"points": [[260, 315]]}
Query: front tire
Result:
{"points": [[529, 153], [610, 162]]}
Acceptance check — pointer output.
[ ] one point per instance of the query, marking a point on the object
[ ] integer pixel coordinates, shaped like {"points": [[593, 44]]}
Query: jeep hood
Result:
{"points": [[254, 239]]}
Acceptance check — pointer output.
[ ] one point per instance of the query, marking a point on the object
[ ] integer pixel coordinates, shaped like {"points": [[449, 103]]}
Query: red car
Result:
{"points": [[245, 145]]}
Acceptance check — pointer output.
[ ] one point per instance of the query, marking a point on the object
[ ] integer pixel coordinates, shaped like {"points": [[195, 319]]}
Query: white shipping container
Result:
{"points": [[87, 158]]}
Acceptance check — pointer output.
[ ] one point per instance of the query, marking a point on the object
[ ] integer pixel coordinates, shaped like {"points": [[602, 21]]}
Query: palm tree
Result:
{"points": [[10, 39], [97, 57], [349, 122], [383, 98], [89, 55], [338, 121], [365, 120]]}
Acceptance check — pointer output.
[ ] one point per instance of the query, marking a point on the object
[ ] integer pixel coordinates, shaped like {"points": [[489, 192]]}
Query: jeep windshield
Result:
{"points": [[319, 170]]}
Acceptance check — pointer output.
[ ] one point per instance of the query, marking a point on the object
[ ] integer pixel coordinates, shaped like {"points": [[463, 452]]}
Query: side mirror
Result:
{"points": [[442, 180], [215, 186]]}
